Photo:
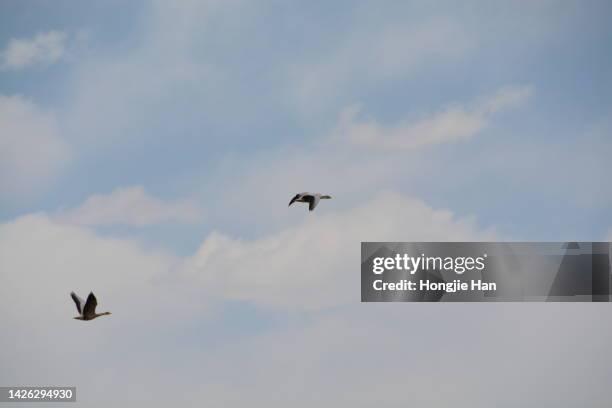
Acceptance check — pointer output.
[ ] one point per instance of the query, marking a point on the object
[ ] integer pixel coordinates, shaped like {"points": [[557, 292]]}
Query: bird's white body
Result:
{"points": [[311, 198]]}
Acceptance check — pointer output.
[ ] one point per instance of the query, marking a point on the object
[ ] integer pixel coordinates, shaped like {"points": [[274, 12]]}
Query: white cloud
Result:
{"points": [[44, 48], [454, 123], [71, 258], [41, 262], [32, 153], [154, 295], [367, 354], [163, 332], [130, 206], [318, 259]]}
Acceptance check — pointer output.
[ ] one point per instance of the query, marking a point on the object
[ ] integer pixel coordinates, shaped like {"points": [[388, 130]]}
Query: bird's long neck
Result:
{"points": [[102, 314], [325, 196]]}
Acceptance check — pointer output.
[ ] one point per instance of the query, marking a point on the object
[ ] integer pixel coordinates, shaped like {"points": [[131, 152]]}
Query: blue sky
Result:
{"points": [[276, 76], [153, 147]]}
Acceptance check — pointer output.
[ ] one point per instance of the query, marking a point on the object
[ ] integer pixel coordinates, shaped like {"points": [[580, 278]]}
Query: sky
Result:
{"points": [[148, 151]]}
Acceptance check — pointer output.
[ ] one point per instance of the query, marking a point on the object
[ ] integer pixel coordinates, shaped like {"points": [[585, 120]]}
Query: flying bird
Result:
{"points": [[310, 198], [87, 310]]}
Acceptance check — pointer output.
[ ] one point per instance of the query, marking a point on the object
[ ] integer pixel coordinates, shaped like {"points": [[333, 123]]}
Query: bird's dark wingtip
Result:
{"points": [[295, 197]]}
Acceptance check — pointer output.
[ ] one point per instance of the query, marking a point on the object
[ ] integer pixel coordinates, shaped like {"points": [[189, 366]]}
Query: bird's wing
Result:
{"points": [[294, 198], [78, 301], [313, 201], [90, 305]]}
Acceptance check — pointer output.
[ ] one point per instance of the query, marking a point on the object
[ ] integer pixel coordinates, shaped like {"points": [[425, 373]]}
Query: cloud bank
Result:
{"points": [[163, 328], [457, 122], [280, 270], [130, 206]]}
